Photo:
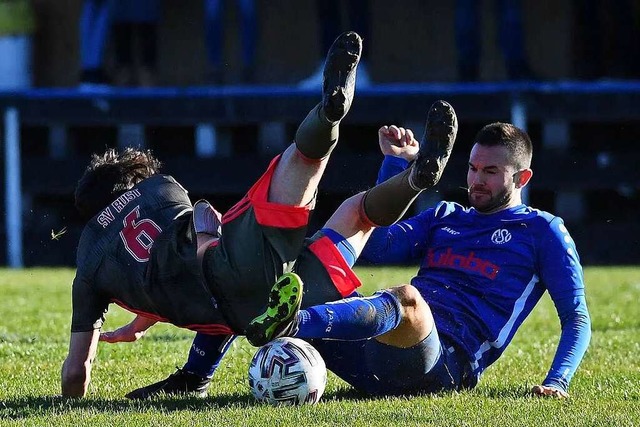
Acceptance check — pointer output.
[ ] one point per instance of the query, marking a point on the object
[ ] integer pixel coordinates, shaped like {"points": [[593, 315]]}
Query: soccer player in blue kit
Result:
{"points": [[482, 271]]}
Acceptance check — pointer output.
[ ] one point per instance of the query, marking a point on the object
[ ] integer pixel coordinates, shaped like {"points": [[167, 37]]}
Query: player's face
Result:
{"points": [[491, 179]]}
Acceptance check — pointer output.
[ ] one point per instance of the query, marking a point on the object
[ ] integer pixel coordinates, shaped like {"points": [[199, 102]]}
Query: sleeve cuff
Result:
{"points": [[557, 384], [391, 166]]}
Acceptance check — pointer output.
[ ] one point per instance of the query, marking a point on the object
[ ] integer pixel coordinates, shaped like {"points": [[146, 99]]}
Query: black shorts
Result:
{"points": [[261, 241]]}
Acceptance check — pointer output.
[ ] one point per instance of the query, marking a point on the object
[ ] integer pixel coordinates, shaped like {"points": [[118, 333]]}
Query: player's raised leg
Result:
{"points": [[385, 203], [354, 221], [294, 183], [301, 166]]}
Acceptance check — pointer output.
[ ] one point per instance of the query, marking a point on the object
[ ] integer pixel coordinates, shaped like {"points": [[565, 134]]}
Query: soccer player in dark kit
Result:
{"points": [[148, 250]]}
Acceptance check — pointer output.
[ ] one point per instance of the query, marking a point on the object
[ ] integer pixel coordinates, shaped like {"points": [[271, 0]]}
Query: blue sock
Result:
{"points": [[206, 352], [350, 319]]}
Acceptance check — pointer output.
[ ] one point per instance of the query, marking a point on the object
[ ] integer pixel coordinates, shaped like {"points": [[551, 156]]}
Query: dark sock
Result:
{"points": [[385, 203], [316, 136], [206, 352]]}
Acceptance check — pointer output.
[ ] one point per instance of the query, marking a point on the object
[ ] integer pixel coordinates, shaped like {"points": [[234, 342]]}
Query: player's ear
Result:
{"points": [[522, 177]]}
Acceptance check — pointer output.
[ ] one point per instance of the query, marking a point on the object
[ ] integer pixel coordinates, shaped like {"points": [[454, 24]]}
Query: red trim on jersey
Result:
{"points": [[236, 210], [269, 214], [342, 276], [209, 329]]}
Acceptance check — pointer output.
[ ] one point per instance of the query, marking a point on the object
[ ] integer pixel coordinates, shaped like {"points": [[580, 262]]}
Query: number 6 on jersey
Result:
{"points": [[138, 236]]}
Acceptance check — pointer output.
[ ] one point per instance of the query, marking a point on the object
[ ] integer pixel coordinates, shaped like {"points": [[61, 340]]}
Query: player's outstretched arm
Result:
{"points": [[543, 390], [561, 272], [130, 332], [76, 370]]}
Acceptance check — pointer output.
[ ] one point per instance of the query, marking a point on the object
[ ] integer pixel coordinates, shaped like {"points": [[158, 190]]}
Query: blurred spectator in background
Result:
{"points": [[214, 37], [331, 24], [95, 25], [510, 38], [135, 42], [607, 38], [17, 24]]}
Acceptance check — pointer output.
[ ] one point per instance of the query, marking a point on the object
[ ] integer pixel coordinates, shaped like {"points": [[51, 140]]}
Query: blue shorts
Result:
{"points": [[380, 369]]}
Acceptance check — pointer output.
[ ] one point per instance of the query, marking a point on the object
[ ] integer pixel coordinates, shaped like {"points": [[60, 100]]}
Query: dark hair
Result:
{"points": [[513, 138], [109, 175]]}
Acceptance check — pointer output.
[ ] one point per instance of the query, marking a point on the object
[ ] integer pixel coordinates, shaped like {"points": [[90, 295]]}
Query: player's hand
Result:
{"points": [[130, 332], [543, 390], [398, 142], [124, 334]]}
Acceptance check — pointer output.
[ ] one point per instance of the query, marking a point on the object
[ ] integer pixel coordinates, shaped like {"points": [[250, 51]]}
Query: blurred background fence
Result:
{"points": [[216, 125]]}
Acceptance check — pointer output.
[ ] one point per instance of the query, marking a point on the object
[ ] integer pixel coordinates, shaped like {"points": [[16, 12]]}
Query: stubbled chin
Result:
{"points": [[479, 197], [479, 201]]}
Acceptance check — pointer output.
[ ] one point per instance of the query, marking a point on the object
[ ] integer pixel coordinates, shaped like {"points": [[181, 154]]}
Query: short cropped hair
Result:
{"points": [[110, 174], [513, 138]]}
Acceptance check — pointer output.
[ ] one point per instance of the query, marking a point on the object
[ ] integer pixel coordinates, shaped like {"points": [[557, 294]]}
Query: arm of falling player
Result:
{"points": [[130, 332]]}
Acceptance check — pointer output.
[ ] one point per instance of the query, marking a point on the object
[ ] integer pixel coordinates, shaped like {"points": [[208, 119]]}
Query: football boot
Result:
{"points": [[279, 319], [435, 147], [339, 76]]}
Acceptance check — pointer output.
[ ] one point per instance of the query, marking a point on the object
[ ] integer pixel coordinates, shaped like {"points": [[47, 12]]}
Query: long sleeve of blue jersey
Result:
{"points": [[391, 166], [562, 275], [574, 339], [402, 242]]}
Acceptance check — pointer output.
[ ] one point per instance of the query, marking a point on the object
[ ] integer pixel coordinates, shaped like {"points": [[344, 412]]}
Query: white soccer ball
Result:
{"points": [[287, 371]]}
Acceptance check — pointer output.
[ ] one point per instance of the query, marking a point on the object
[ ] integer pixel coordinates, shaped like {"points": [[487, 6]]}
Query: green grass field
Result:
{"points": [[34, 332]]}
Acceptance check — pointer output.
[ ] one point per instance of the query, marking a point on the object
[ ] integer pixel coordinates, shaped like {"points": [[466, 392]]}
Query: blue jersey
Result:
{"points": [[482, 275]]}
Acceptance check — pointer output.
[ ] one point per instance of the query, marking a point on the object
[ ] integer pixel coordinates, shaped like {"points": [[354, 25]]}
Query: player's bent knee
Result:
{"points": [[414, 308], [408, 296], [416, 319]]}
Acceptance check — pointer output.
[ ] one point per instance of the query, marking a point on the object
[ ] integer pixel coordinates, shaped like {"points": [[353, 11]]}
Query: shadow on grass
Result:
{"points": [[348, 394], [489, 392], [354, 395], [30, 406]]}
